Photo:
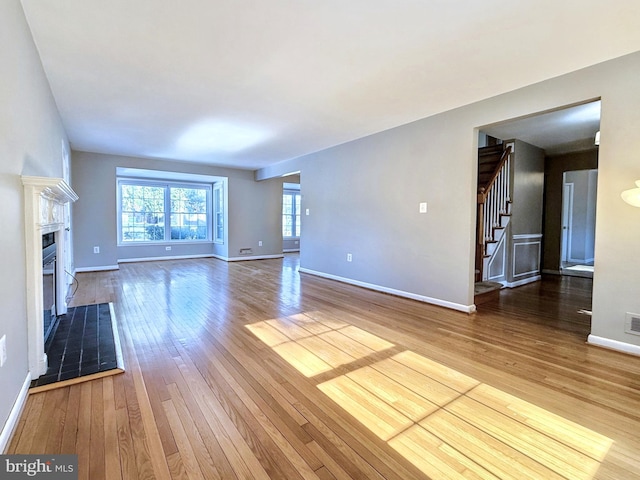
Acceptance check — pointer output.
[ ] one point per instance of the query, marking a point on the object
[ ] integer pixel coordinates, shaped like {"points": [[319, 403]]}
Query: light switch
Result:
{"points": [[306, 211], [423, 207]]}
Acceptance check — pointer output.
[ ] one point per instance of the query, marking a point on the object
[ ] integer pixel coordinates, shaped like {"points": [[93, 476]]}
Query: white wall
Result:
{"points": [[31, 142], [434, 160]]}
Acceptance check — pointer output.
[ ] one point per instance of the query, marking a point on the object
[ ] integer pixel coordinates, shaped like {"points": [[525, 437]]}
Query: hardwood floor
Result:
{"points": [[252, 370]]}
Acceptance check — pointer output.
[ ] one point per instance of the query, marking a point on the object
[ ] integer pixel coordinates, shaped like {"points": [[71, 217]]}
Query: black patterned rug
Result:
{"points": [[84, 344]]}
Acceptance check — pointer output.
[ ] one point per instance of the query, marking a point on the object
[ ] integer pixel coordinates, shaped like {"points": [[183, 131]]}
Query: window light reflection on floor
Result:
{"points": [[447, 424], [314, 347]]}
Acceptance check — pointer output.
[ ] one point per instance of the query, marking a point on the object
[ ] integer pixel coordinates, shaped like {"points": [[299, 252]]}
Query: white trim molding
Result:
{"points": [[171, 257], [44, 213], [526, 236], [501, 246], [392, 291], [614, 345], [538, 242], [98, 268], [524, 281], [14, 415], [251, 257]]}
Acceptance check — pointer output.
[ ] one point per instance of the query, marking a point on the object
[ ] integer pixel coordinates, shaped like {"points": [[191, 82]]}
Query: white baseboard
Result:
{"points": [[251, 257], [524, 281], [614, 345], [99, 268], [168, 257], [14, 415], [392, 291]]}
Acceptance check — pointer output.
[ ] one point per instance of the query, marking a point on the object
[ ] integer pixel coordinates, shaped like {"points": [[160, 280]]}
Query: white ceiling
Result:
{"points": [[248, 83], [559, 131]]}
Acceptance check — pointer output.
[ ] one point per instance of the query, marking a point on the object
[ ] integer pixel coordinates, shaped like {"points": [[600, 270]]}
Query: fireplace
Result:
{"points": [[45, 225], [49, 283]]}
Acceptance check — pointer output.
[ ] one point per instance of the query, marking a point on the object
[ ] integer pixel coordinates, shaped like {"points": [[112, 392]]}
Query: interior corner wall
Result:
{"points": [[31, 143], [252, 211], [434, 160], [555, 166], [255, 215], [524, 245]]}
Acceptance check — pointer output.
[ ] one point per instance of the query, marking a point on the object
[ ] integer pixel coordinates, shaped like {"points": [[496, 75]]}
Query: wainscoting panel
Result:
{"points": [[526, 255]]}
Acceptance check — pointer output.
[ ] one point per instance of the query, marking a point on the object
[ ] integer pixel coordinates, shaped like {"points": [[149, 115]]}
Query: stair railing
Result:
{"points": [[493, 203]]}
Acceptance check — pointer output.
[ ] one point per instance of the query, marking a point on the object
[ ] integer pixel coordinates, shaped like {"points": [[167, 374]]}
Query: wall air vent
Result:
{"points": [[632, 323], [248, 251]]}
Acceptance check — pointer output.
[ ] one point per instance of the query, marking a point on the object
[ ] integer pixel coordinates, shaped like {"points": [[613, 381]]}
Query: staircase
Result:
{"points": [[494, 204]]}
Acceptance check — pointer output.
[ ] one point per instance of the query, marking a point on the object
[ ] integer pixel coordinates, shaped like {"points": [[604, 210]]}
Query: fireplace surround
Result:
{"points": [[45, 213]]}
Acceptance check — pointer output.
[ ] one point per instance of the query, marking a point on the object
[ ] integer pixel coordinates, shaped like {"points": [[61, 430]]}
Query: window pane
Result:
{"points": [[188, 213], [290, 214], [287, 226], [142, 213]]}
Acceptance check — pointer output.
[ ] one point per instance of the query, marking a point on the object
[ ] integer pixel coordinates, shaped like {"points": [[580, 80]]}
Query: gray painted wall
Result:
{"points": [[254, 211], [524, 254], [31, 140], [434, 160]]}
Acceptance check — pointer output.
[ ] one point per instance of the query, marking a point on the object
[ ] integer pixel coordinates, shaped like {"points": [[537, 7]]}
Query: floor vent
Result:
{"points": [[632, 324]]}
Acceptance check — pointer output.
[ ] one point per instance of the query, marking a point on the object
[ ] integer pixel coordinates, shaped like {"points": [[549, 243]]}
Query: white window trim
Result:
{"points": [[218, 186], [295, 192], [165, 184]]}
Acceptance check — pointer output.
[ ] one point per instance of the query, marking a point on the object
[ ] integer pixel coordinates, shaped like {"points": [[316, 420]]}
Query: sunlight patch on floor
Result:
{"points": [[463, 428], [315, 346], [449, 425]]}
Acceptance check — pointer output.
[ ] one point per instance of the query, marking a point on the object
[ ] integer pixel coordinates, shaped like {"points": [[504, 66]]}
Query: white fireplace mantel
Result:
{"points": [[44, 198]]}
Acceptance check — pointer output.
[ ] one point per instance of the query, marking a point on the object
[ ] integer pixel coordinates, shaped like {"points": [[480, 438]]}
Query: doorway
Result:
{"points": [[578, 222], [566, 136]]}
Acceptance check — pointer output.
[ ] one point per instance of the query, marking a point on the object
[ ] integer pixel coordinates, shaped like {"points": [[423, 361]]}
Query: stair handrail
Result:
{"points": [[493, 203], [484, 191]]}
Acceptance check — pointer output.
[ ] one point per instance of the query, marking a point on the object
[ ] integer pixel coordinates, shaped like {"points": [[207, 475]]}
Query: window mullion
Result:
{"points": [[167, 213]]}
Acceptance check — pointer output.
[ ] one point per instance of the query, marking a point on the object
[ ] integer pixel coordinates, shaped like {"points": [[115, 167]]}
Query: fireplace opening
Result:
{"points": [[49, 275]]}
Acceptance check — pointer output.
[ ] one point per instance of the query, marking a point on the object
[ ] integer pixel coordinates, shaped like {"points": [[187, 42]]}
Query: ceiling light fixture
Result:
{"points": [[597, 142], [632, 196]]}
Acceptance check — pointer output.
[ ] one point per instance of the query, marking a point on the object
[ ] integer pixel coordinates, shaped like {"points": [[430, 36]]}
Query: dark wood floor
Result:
{"points": [[252, 370]]}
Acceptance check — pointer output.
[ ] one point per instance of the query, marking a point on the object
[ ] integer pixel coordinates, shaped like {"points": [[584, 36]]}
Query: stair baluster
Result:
{"points": [[493, 204]]}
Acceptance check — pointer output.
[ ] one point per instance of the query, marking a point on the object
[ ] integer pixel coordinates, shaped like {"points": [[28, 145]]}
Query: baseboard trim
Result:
{"points": [[524, 281], [253, 257], [393, 291], [11, 423], [99, 268], [168, 257], [614, 345]]}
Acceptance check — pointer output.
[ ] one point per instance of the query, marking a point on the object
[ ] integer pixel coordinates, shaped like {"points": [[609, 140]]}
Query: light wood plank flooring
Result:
{"points": [[252, 370]]}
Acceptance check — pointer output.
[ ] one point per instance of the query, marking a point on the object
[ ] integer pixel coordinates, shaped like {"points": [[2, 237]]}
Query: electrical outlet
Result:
{"points": [[423, 207], [167, 248], [96, 249], [349, 257], [3, 350], [260, 243]]}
